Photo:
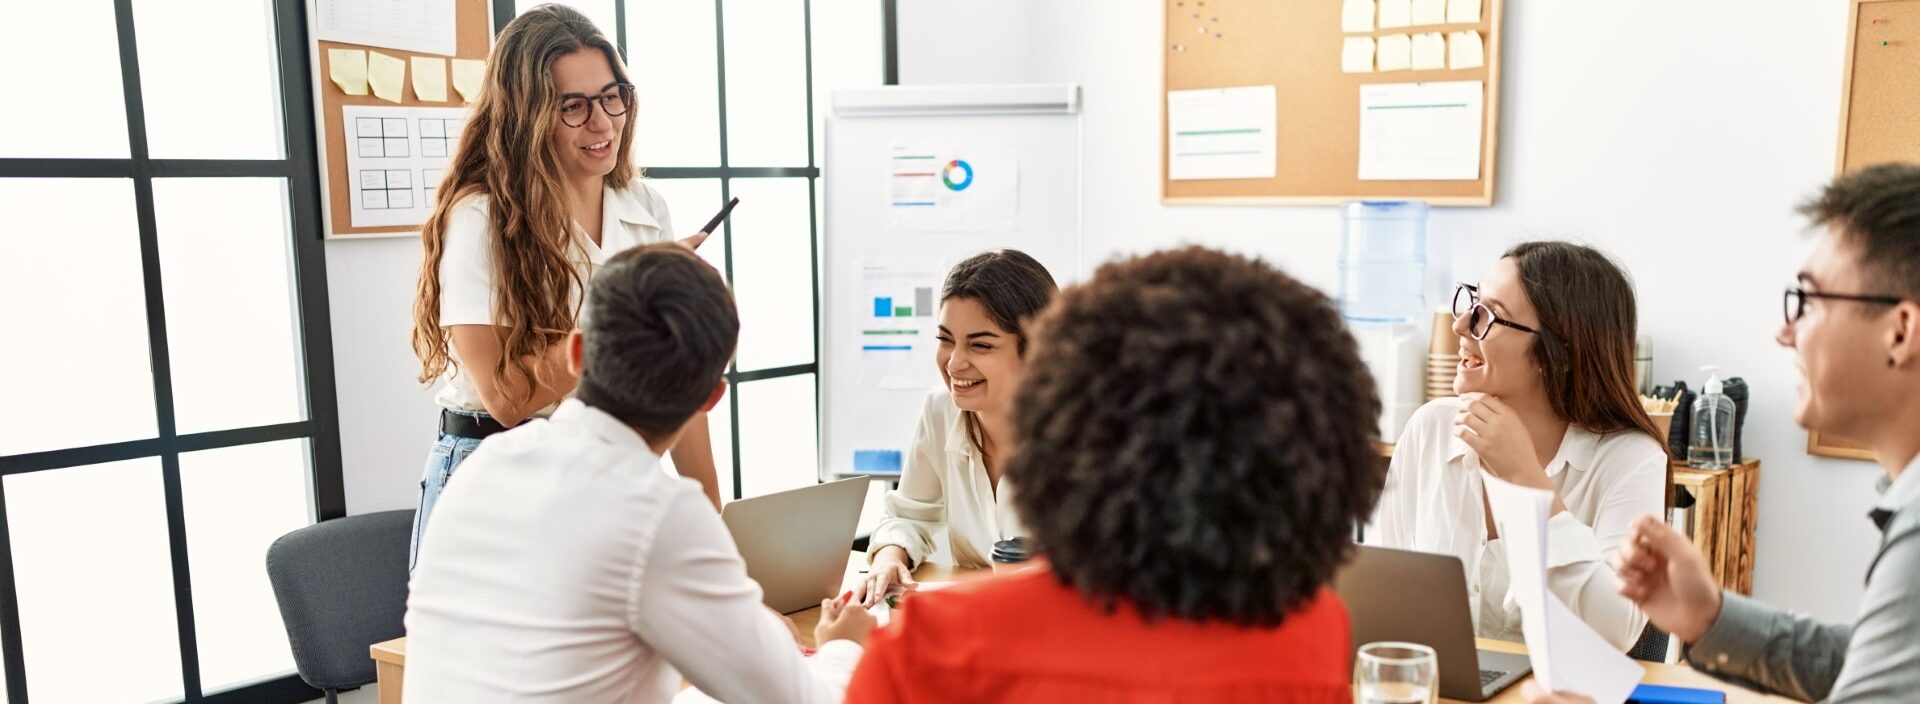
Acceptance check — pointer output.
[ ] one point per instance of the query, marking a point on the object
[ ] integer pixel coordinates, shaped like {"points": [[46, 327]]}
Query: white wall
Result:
{"points": [[1679, 146], [387, 421]]}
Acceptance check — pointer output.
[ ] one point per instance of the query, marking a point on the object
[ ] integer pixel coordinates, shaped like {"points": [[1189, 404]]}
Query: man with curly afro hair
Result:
{"points": [[1197, 438]]}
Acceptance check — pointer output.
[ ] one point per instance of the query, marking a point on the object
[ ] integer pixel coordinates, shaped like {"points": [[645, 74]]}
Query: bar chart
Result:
{"points": [[921, 305]]}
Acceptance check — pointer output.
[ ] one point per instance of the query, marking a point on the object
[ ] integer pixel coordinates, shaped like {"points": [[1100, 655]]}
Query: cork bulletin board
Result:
{"points": [[1879, 117], [1296, 46], [473, 28]]}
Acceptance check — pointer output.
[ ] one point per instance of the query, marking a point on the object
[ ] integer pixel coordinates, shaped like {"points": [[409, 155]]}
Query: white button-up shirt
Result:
{"points": [[944, 484], [631, 217], [1433, 503], [563, 565]]}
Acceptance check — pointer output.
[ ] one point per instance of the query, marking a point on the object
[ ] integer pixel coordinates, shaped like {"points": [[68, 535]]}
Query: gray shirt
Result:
{"points": [[1876, 659]]}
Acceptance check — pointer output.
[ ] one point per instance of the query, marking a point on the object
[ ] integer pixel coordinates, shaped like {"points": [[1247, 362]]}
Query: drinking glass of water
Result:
{"points": [[1395, 673]]}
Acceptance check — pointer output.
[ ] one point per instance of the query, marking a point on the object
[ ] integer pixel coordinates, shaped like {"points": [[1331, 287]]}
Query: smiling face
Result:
{"points": [[979, 360], [1502, 364], [1838, 345], [590, 150]]}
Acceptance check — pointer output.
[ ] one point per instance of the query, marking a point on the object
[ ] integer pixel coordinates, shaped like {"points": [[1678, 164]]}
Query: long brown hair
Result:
{"points": [[506, 154], [1588, 321], [1013, 287]]}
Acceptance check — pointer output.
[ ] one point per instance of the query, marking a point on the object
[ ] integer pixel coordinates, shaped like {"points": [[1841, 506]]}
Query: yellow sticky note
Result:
{"points": [[1356, 16], [1356, 56], [1465, 51], [467, 76], [1429, 51], [430, 78], [1426, 12], [386, 74], [1395, 13], [348, 68], [1396, 53], [1463, 11]]}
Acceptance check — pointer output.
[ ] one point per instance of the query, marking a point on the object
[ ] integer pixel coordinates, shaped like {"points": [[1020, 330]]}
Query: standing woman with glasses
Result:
{"points": [[1547, 400], [542, 189]]}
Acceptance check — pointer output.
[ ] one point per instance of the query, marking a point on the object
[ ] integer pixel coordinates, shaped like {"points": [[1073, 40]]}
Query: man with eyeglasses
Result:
{"points": [[1854, 326]]}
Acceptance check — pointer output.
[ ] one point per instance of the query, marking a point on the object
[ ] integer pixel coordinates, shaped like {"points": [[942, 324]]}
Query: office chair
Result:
{"points": [[342, 587]]}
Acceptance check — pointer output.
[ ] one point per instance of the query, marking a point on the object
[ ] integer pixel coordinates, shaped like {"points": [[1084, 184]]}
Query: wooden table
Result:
{"points": [[391, 657], [1657, 673], [390, 668]]}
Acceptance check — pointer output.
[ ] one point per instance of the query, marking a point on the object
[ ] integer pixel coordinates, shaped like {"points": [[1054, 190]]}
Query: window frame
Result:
{"points": [[505, 10], [298, 168]]}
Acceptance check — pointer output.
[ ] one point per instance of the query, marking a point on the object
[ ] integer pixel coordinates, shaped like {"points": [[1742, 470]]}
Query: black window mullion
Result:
{"points": [[813, 231], [10, 647], [310, 262], [730, 172], [890, 41], [620, 28], [726, 195], [503, 13], [158, 350]]}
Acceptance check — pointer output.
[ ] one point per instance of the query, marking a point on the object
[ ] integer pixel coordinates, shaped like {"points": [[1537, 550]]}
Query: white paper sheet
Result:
{"points": [[1463, 11], [895, 324], [1220, 133], [1429, 51], [424, 26], [1464, 50], [395, 158], [1420, 131], [1395, 13], [1429, 12], [1567, 655], [1356, 55], [1396, 53], [940, 185]]}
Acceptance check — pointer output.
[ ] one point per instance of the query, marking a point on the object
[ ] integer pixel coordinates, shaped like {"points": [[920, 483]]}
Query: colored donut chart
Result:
{"points": [[966, 175]]}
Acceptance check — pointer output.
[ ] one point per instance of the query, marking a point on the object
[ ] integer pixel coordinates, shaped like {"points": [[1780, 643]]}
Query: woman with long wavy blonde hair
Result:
{"points": [[542, 189]]}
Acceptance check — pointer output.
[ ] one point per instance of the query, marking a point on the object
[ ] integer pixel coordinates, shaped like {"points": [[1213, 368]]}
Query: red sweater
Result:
{"points": [[1027, 638]]}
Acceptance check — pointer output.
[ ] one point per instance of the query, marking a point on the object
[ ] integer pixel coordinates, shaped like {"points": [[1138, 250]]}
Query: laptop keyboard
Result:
{"points": [[1488, 676]]}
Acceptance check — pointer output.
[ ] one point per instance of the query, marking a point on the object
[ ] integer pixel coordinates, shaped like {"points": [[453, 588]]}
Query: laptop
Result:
{"points": [[1417, 597], [796, 542]]}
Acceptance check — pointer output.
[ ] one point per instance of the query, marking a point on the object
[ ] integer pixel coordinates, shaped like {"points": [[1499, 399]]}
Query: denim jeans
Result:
{"points": [[448, 452]]}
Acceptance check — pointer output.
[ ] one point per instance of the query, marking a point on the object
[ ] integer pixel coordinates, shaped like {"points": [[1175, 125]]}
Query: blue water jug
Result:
{"points": [[1383, 261]]}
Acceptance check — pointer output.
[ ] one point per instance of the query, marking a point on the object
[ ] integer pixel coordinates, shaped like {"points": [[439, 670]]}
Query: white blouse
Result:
{"points": [[945, 484], [1432, 503], [633, 216]]}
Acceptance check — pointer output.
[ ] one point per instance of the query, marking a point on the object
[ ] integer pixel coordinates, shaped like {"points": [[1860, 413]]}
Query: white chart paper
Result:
{"points": [[1221, 133], [1420, 131], [897, 316], [424, 26], [941, 185], [395, 158]]}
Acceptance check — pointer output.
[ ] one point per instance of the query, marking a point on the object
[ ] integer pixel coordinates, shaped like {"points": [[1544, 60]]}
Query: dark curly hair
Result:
{"points": [[1196, 438]]}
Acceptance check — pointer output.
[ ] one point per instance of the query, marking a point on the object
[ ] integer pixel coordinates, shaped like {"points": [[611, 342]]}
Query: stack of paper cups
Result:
{"points": [[1443, 357]]}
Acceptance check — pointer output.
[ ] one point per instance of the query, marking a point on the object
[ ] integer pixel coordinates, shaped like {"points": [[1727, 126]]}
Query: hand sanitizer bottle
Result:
{"points": [[1711, 444]]}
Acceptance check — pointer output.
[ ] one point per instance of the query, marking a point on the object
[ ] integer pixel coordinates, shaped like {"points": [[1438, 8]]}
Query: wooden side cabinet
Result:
{"points": [[1722, 518]]}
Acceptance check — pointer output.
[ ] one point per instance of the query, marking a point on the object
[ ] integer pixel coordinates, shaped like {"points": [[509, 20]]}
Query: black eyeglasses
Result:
{"points": [[1796, 301], [575, 111], [1480, 319]]}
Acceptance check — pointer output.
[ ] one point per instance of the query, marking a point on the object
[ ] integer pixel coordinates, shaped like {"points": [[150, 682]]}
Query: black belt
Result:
{"points": [[466, 426]]}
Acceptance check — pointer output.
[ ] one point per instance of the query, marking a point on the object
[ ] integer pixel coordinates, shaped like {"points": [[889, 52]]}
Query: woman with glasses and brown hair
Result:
{"points": [[1546, 400], [542, 190]]}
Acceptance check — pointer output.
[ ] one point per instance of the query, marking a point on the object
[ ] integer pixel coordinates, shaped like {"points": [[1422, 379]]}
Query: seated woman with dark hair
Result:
{"points": [[1196, 445]]}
